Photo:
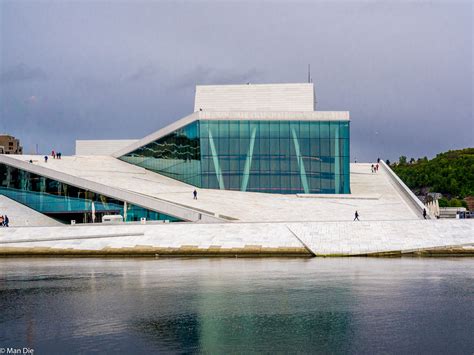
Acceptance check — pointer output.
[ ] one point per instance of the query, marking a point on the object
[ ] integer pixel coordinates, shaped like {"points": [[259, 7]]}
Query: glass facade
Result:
{"points": [[65, 202], [261, 156]]}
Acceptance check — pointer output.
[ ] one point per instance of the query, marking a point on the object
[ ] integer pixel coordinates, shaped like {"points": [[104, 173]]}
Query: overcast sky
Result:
{"points": [[109, 70]]}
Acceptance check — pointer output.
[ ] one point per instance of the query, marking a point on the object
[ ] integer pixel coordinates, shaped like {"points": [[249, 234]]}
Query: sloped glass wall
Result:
{"points": [[65, 202], [176, 155]]}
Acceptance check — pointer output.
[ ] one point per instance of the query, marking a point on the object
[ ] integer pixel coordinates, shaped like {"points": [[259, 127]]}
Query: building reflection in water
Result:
{"points": [[234, 305]]}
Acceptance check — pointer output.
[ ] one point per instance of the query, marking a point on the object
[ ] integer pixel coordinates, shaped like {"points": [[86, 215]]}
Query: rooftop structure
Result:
{"points": [[251, 97]]}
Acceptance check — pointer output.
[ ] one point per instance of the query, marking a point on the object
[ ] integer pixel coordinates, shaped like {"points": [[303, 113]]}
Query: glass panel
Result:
{"points": [[304, 130], [285, 129], [325, 147], [244, 129], [324, 130], [234, 130], [224, 129]]}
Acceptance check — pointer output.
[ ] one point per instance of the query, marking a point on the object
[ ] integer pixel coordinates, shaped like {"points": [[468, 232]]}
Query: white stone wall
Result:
{"points": [[260, 97]]}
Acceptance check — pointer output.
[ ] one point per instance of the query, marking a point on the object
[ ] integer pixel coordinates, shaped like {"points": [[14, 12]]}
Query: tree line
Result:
{"points": [[450, 173]]}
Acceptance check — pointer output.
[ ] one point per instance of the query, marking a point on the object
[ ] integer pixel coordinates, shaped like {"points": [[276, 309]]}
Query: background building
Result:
{"points": [[10, 145]]}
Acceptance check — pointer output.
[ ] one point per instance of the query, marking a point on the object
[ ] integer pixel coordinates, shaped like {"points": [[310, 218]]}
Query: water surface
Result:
{"points": [[337, 305]]}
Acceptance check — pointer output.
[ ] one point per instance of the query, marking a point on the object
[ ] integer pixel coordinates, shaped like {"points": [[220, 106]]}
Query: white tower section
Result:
{"points": [[258, 97]]}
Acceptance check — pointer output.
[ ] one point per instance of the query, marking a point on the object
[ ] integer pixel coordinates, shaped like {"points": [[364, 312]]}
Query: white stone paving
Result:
{"points": [[176, 235], [356, 238], [322, 238]]}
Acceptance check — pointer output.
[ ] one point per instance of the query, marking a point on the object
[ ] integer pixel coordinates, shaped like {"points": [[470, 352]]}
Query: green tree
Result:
{"points": [[442, 202], [454, 202], [450, 173]]}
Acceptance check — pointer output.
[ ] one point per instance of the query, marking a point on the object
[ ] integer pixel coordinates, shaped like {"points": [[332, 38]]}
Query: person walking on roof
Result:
{"points": [[45, 158], [424, 213], [195, 194], [356, 216], [5, 221]]}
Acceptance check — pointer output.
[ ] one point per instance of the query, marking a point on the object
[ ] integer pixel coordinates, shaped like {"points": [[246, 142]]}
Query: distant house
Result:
{"points": [[470, 202]]}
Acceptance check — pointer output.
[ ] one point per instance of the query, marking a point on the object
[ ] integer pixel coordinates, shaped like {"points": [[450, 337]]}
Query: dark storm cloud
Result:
{"points": [[124, 69], [22, 72]]}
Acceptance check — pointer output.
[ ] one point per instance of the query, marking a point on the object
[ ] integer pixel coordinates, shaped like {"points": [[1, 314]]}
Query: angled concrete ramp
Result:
{"points": [[384, 237], [22, 216]]}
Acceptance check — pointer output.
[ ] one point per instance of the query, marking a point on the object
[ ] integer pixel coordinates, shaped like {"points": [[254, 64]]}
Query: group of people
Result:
{"points": [[375, 168], [55, 155], [4, 221]]}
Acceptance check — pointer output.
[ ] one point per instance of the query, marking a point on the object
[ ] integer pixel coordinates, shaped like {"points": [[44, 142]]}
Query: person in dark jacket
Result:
{"points": [[356, 216]]}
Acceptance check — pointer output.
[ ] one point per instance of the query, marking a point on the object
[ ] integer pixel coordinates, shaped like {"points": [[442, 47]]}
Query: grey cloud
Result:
{"points": [[142, 73], [206, 75], [403, 69], [22, 72]]}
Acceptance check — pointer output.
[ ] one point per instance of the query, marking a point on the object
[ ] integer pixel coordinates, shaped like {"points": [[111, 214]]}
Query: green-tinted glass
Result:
{"points": [[266, 156]]}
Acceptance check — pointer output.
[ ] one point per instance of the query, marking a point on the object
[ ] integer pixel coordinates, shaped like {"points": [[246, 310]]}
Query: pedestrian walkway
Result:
{"points": [[378, 237], [258, 239], [22, 216]]}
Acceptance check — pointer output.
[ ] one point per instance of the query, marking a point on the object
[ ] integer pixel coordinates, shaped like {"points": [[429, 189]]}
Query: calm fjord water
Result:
{"points": [[340, 305]]}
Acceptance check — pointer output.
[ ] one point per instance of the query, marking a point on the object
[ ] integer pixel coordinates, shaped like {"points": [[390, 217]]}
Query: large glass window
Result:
{"points": [[262, 156], [65, 202], [177, 155]]}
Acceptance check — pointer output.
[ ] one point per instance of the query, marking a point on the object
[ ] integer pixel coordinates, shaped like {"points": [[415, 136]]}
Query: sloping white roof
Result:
{"points": [[375, 196], [251, 97], [101, 147]]}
